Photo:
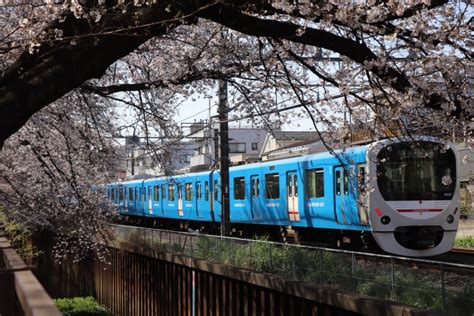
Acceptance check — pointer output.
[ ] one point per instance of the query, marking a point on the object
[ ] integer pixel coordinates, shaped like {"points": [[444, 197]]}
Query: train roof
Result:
{"points": [[321, 155]]}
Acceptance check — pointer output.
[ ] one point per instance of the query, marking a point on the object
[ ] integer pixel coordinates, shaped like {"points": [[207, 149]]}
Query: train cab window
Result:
{"points": [[198, 191], [130, 194], [206, 189], [216, 191], [163, 192], [239, 188], [156, 193], [170, 192], [272, 185], [188, 196], [315, 183]]}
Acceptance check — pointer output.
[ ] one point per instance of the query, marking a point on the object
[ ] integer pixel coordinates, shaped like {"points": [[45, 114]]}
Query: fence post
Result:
{"points": [[443, 289]]}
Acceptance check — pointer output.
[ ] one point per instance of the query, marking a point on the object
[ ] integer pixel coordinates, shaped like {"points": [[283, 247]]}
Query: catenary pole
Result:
{"points": [[224, 157]]}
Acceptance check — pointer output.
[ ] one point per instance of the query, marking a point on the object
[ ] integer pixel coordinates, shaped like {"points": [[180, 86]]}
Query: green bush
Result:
{"points": [[80, 306], [465, 242]]}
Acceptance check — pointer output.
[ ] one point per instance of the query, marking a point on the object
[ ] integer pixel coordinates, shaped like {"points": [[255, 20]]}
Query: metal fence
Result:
{"points": [[422, 283]]}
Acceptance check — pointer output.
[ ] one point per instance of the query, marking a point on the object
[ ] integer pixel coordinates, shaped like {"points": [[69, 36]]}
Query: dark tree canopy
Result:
{"points": [[95, 34]]}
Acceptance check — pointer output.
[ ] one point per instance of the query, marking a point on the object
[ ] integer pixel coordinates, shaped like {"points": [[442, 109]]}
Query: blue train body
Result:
{"points": [[196, 196], [403, 193]]}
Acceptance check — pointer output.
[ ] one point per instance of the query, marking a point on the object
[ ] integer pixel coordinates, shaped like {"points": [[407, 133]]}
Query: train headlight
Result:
{"points": [[450, 219], [385, 220]]}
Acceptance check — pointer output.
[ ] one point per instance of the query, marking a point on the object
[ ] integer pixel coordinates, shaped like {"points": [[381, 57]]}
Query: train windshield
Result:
{"points": [[416, 171]]}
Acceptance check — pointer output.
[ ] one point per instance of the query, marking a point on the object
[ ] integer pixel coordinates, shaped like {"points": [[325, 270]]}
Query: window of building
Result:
{"points": [[206, 189], [272, 185], [239, 188], [130, 194], [254, 146], [185, 158], [189, 191], [237, 148], [315, 183], [156, 193], [170, 192]]}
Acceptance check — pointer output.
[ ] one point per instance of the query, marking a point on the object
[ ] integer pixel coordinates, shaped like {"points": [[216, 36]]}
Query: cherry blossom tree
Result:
{"points": [[392, 67]]}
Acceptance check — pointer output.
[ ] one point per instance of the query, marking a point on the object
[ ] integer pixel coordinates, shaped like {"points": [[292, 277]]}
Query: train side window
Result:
{"points": [[198, 191], [112, 194], [272, 185], [206, 189], [361, 178], [255, 186], [170, 192], [121, 194], [156, 193], [346, 183], [149, 193], [216, 191], [338, 182], [239, 188], [189, 191], [163, 192], [315, 183]]}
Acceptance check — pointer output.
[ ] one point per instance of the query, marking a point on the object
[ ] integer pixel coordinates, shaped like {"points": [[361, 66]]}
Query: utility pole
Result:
{"points": [[224, 158]]}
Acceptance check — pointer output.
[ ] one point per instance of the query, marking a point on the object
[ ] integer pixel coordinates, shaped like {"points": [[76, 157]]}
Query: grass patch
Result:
{"points": [[465, 242], [80, 306]]}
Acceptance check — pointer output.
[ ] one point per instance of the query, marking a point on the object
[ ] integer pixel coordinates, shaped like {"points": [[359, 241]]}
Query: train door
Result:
{"points": [[180, 200], [254, 196], [292, 196], [341, 192], [198, 197], [150, 202]]}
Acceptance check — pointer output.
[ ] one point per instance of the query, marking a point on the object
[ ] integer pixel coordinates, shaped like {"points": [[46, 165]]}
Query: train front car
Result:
{"points": [[414, 196]]}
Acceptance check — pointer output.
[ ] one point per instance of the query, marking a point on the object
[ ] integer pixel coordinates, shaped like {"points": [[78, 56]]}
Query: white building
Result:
{"points": [[245, 144]]}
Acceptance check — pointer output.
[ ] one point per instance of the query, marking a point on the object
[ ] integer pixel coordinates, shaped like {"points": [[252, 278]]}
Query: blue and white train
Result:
{"points": [[401, 193]]}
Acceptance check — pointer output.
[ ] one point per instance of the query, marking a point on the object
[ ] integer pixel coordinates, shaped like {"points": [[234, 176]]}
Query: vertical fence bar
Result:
{"points": [[443, 289]]}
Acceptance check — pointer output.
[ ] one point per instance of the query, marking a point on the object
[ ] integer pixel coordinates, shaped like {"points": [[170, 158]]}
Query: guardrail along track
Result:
{"points": [[20, 291]]}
